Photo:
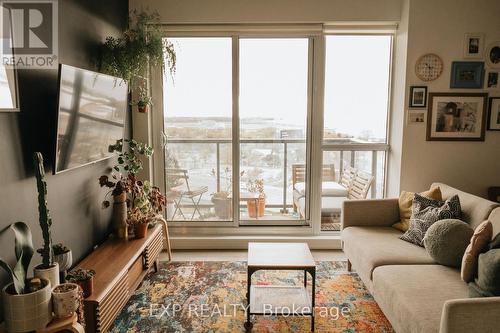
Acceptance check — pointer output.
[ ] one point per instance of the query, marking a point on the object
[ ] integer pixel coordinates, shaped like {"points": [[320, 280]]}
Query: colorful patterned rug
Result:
{"points": [[210, 297]]}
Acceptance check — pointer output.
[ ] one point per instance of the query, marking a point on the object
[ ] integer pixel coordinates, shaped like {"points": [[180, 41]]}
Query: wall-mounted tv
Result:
{"points": [[91, 116]]}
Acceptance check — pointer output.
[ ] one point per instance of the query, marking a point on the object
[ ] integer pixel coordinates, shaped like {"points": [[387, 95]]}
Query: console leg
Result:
{"points": [[349, 265]]}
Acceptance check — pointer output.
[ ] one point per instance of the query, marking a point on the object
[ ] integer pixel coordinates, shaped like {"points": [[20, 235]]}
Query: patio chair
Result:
{"points": [[183, 191]]}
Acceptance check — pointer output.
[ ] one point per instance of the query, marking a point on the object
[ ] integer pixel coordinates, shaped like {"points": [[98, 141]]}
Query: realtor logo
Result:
{"points": [[29, 33]]}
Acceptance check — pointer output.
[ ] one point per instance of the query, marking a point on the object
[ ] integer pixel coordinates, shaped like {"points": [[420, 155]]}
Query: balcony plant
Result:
{"points": [[23, 293], [256, 208], [223, 203], [48, 269], [140, 46], [144, 101], [84, 278]]}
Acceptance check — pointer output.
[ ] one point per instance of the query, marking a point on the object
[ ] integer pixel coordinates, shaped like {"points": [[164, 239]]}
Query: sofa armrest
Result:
{"points": [[471, 315], [373, 212]]}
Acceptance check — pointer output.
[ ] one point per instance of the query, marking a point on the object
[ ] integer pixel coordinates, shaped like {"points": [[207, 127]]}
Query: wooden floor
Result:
{"points": [[241, 255]]}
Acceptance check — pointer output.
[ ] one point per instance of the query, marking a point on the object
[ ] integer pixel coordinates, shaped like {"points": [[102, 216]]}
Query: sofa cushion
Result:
{"points": [[405, 202], [478, 243], [412, 296], [327, 189], [371, 247]]}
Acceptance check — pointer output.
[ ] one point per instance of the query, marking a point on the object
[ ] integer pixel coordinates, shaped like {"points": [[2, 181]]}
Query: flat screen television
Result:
{"points": [[92, 109]]}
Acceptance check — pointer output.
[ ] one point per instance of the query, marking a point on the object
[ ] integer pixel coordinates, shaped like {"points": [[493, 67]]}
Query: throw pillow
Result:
{"points": [[446, 241], [405, 203], [495, 243], [488, 274], [478, 243], [426, 212]]}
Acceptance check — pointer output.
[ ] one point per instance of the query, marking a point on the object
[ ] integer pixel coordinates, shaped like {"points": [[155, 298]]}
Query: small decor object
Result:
{"points": [[49, 268], [429, 67], [84, 278], [446, 241], [143, 100], [473, 45], [492, 80], [494, 193], [66, 299], [426, 212], [494, 114], [26, 302], [456, 116], [467, 74], [256, 207], [493, 55], [418, 96], [416, 117], [478, 244]]}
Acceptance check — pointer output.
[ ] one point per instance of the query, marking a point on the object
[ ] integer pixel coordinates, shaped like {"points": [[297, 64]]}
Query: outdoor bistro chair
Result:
{"points": [[183, 191]]}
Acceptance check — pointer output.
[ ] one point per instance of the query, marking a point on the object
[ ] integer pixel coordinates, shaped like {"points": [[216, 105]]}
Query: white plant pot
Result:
{"points": [[65, 303], [27, 312], [64, 260], [51, 274]]}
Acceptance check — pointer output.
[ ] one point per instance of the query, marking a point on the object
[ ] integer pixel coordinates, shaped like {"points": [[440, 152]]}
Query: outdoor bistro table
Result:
{"points": [[280, 300]]}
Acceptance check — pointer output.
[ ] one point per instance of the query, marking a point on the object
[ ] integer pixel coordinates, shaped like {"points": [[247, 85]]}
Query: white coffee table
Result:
{"points": [[280, 300]]}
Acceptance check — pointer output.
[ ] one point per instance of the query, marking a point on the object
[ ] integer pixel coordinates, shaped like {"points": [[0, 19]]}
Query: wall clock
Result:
{"points": [[429, 67]]}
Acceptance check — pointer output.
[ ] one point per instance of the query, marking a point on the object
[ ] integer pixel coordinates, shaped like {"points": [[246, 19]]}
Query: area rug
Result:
{"points": [[210, 297]]}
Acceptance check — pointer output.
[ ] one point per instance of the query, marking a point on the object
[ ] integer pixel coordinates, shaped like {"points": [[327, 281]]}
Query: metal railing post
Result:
{"points": [[374, 174], [218, 165], [285, 176]]}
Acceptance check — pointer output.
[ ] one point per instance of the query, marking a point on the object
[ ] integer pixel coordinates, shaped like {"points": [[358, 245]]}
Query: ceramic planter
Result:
{"points": [[65, 299], [27, 312], [223, 207], [51, 273], [257, 207], [142, 109], [140, 230], [87, 286], [64, 260], [120, 215]]}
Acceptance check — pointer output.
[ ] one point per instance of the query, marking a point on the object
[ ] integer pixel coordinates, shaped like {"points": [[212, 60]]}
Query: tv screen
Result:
{"points": [[91, 116]]}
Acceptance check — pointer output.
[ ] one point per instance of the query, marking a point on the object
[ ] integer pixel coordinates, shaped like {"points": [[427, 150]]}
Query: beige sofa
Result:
{"points": [[415, 293]]}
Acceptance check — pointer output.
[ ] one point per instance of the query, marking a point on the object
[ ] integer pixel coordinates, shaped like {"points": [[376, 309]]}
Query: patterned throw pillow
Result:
{"points": [[425, 212]]}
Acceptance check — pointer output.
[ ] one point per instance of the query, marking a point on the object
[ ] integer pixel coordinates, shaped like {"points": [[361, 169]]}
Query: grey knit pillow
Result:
{"points": [[426, 212]]}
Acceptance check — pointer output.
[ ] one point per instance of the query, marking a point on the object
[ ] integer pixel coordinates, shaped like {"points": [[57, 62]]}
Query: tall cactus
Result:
{"points": [[43, 211]]}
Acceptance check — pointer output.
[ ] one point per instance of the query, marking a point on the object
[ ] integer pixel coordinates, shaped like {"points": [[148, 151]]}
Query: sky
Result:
{"points": [[273, 81]]}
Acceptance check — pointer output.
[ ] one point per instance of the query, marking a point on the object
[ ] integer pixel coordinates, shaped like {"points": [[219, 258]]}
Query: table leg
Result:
{"points": [[248, 324], [313, 276], [305, 279]]}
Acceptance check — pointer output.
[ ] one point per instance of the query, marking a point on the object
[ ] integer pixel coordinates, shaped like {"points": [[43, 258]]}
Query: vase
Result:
{"points": [[51, 273], [65, 260], [87, 286], [140, 230], [120, 215], [256, 207], [27, 312], [65, 300]]}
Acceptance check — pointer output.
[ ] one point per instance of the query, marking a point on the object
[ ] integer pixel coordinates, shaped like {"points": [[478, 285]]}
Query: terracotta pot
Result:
{"points": [[87, 286], [256, 207], [27, 312], [51, 273], [65, 299], [140, 230], [142, 109]]}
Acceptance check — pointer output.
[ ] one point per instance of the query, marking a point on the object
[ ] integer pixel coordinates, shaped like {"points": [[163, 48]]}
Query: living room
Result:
{"points": [[265, 166]]}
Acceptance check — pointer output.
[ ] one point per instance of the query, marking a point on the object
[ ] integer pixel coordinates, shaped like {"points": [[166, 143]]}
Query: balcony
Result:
{"points": [[208, 167]]}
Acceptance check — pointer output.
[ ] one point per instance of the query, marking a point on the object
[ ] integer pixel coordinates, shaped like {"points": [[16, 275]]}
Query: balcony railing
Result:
{"points": [[344, 151]]}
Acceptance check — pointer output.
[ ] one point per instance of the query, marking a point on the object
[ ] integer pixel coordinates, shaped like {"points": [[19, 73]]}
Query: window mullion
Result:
{"points": [[236, 129]]}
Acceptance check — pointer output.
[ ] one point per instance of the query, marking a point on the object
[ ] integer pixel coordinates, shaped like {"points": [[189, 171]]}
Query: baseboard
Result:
{"points": [[241, 242]]}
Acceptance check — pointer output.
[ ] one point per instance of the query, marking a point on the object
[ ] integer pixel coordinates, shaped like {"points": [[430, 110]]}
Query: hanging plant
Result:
{"points": [[141, 45]]}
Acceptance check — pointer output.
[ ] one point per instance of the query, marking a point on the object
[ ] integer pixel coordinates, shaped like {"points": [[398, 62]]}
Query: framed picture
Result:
{"points": [[416, 117], [494, 114], [456, 116], [418, 96], [473, 45], [492, 80], [9, 97], [467, 74], [493, 55]]}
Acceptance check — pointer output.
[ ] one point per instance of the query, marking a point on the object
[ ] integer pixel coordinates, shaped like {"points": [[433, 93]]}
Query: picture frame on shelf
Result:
{"points": [[494, 114], [467, 74], [491, 80], [456, 116], [493, 55], [9, 90], [416, 117], [418, 96], [473, 45]]}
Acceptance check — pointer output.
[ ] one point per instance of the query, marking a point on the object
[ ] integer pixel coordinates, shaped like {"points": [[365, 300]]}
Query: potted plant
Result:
{"points": [[64, 258], [143, 101], [256, 208], [223, 203], [84, 278], [141, 45], [26, 302], [48, 269], [66, 299]]}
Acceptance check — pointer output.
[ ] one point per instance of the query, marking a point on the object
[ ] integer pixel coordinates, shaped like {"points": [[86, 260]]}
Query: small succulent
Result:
{"points": [[80, 274]]}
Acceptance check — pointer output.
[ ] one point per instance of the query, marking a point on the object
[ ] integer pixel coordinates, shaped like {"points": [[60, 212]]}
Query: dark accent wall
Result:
{"points": [[74, 197]]}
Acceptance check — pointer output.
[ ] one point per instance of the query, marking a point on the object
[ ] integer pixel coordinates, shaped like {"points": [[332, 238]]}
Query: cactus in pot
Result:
{"points": [[48, 268]]}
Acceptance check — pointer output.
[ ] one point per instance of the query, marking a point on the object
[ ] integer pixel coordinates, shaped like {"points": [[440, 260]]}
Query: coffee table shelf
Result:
{"points": [[281, 299]]}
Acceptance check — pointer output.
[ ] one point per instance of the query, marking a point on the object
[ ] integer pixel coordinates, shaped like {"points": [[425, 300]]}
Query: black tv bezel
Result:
{"points": [[56, 130]]}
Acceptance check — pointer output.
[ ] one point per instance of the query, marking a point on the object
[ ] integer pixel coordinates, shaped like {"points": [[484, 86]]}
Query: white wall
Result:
{"points": [[439, 27]]}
